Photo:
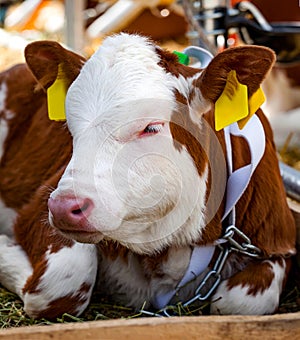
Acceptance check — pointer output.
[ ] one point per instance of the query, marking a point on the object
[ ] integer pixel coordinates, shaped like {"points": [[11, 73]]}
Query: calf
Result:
{"points": [[147, 201], [282, 89]]}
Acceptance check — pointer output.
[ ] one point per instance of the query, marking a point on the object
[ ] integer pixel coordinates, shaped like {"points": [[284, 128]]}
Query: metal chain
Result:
{"points": [[228, 245], [214, 275], [245, 247]]}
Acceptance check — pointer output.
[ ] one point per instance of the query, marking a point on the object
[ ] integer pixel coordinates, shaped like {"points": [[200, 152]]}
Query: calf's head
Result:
{"points": [[142, 170]]}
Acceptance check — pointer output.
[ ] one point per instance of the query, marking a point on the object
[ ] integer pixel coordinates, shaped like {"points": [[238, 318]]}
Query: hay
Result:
{"points": [[12, 313], [101, 308]]}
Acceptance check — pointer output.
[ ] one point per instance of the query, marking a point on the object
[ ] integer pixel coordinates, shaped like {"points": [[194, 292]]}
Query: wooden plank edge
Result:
{"points": [[293, 205], [278, 326]]}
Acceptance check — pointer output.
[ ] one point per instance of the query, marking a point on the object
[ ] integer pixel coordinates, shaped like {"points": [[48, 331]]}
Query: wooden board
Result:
{"points": [[275, 327]]}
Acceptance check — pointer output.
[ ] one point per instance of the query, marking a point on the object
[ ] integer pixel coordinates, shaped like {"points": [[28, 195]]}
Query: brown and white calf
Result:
{"points": [[282, 89], [136, 183]]}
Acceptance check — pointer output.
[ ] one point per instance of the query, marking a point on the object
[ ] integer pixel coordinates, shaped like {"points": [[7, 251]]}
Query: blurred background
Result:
{"points": [[81, 25]]}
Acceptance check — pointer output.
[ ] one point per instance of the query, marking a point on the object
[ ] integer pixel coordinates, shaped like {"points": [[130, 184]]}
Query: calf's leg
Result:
{"points": [[15, 267], [62, 282], [255, 290], [51, 274]]}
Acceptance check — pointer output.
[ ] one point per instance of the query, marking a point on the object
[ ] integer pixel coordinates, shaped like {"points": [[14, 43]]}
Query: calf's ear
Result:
{"points": [[46, 59], [251, 64]]}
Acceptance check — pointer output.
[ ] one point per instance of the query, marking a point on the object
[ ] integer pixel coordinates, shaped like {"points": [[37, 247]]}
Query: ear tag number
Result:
{"points": [[56, 95], [232, 105]]}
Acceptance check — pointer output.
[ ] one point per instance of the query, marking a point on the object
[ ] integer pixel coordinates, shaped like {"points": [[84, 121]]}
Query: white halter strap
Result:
{"points": [[237, 183], [200, 258], [239, 179]]}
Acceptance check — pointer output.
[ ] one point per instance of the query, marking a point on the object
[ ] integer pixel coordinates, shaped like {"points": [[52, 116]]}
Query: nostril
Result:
{"points": [[84, 208], [70, 208]]}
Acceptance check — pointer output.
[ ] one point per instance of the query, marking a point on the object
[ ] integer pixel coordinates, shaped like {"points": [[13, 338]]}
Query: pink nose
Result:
{"points": [[70, 213]]}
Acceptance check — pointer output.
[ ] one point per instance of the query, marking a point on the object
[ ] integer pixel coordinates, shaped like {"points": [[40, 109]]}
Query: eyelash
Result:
{"points": [[152, 129]]}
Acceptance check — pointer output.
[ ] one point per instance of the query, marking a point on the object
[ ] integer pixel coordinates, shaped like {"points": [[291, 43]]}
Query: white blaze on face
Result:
{"points": [[124, 158]]}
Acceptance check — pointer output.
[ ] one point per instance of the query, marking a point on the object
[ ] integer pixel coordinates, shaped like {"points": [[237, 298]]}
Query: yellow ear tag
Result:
{"points": [[232, 105], [56, 95], [255, 102]]}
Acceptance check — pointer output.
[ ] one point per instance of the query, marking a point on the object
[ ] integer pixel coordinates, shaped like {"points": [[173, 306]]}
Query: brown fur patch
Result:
{"points": [[262, 211], [68, 303], [33, 142], [43, 58], [169, 62], [243, 60], [151, 265], [32, 224], [257, 277], [186, 134], [113, 250], [292, 71]]}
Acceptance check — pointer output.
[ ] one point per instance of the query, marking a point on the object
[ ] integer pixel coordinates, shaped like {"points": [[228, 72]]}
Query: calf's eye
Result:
{"points": [[153, 128]]}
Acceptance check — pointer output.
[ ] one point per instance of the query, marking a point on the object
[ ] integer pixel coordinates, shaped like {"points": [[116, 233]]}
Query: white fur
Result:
{"points": [[147, 193], [5, 116], [15, 267], [127, 282], [237, 300], [67, 270], [198, 103], [7, 219], [3, 122], [3, 135]]}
